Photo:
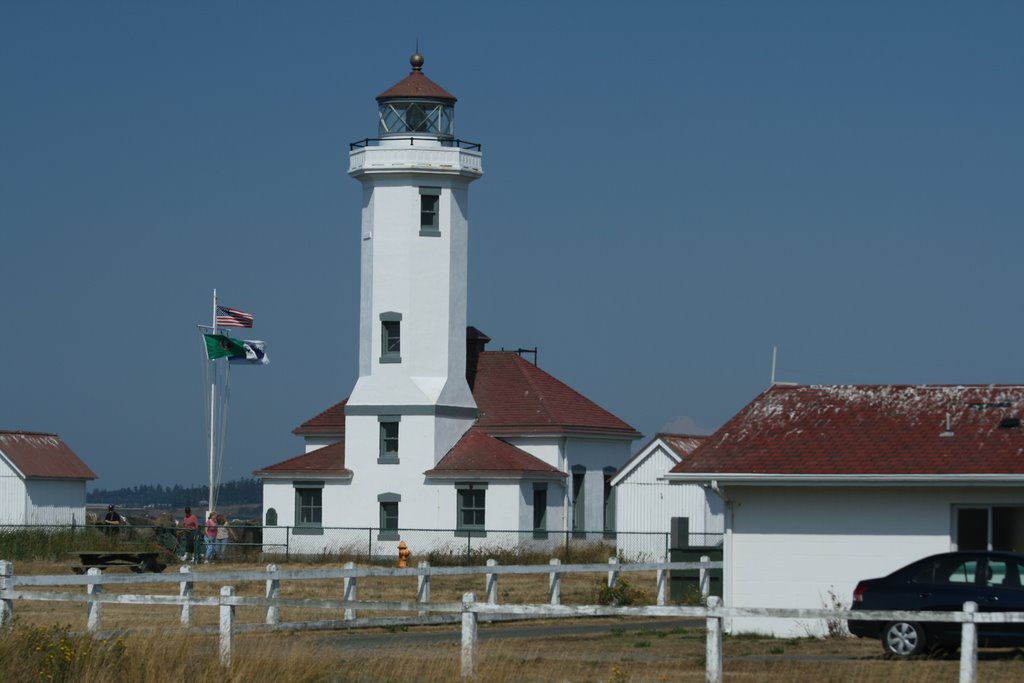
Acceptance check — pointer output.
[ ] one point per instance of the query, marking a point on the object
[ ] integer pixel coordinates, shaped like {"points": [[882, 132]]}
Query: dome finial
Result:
{"points": [[417, 59]]}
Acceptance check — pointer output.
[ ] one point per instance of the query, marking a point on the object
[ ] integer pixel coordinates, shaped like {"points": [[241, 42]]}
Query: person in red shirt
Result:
{"points": [[211, 536], [189, 528]]}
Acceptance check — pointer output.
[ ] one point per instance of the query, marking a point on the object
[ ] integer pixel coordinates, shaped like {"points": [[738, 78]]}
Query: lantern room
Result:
{"points": [[416, 106]]}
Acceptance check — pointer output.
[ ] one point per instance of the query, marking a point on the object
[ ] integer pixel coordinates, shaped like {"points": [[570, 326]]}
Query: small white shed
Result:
{"points": [[42, 481], [646, 504]]}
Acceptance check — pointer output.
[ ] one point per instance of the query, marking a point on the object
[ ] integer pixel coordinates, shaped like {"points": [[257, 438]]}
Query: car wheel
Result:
{"points": [[903, 639]]}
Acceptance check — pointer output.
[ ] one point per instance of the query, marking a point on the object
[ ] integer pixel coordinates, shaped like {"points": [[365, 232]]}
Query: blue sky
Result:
{"points": [[670, 190]]}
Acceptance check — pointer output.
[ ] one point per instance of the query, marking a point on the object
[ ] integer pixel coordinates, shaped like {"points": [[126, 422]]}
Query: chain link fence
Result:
{"points": [[359, 544]]}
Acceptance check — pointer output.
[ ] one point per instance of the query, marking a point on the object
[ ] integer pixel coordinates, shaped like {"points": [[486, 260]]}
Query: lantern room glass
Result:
{"points": [[416, 117]]}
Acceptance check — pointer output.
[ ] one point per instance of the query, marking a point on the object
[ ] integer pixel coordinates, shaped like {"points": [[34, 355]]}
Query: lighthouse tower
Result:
{"points": [[411, 403]]}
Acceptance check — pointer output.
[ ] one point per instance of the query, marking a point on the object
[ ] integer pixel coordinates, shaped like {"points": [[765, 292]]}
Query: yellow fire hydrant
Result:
{"points": [[403, 555]]}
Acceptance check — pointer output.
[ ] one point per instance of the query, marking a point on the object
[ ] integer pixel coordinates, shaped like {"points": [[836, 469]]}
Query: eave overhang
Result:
{"points": [[304, 474], [463, 475], [890, 480]]}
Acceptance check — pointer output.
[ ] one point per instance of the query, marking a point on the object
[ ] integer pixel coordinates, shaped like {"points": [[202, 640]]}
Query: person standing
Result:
{"points": [[211, 536], [189, 529], [223, 534], [112, 521]]}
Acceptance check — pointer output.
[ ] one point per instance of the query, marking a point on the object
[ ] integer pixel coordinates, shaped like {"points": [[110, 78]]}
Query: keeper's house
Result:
{"points": [[42, 481]]}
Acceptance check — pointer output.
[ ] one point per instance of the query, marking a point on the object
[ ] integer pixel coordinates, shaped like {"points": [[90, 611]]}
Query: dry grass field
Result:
{"points": [[47, 645]]}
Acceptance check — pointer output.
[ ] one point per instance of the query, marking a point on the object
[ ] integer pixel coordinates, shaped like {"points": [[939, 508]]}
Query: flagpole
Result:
{"points": [[213, 406]]}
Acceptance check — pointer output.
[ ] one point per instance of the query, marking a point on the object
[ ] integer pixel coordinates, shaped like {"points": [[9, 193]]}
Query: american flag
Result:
{"points": [[232, 317]]}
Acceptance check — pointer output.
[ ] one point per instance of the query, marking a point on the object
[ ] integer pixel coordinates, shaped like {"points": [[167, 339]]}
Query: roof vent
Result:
{"points": [[949, 426], [1010, 423]]}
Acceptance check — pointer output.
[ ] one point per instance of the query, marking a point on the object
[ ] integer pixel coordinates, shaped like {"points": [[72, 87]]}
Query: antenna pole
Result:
{"points": [[775, 350]]}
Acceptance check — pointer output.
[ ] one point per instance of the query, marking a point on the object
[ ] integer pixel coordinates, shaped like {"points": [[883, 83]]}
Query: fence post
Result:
{"points": [[185, 591], [555, 582], [713, 655], [661, 583], [423, 587], [349, 585], [469, 647], [6, 606], [273, 592], [227, 625], [492, 584], [613, 572], [969, 646], [93, 610], [287, 543], [704, 577]]}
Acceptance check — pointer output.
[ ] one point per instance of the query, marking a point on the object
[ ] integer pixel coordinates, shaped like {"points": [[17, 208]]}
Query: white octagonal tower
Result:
{"points": [[411, 403]]}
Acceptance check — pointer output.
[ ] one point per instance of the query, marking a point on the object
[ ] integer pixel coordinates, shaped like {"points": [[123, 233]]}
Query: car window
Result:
{"points": [[947, 570], [1002, 573], [963, 572]]}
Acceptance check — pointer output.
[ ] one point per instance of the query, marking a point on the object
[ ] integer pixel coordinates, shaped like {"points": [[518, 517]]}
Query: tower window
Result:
{"points": [[430, 199], [390, 337], [388, 438], [388, 516]]}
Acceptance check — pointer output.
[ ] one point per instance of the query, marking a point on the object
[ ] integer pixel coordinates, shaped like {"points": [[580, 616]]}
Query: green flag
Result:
{"points": [[220, 346]]}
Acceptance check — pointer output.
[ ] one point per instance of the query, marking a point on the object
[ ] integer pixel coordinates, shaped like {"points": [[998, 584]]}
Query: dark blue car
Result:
{"points": [[943, 583]]}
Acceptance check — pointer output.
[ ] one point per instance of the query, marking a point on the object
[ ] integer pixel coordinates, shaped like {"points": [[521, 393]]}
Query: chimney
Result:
{"points": [[475, 343]]}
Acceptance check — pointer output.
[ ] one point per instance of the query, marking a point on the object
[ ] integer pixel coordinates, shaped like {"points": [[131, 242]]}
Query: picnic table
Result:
{"points": [[137, 561]]}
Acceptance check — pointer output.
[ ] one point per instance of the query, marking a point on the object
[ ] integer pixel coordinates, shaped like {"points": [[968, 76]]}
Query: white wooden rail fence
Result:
{"points": [[468, 611]]}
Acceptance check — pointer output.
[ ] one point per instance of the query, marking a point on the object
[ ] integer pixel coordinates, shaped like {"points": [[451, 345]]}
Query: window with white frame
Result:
{"points": [[989, 527]]}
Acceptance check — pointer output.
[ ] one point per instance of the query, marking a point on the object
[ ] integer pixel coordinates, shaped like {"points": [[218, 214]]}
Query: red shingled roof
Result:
{"points": [[869, 430], [479, 454], [682, 444], [416, 86], [42, 455], [516, 397], [326, 461], [329, 422]]}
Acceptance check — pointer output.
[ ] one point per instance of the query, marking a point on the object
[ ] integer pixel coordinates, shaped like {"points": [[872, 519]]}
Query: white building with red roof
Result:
{"points": [[827, 485], [647, 506], [437, 432], [42, 481]]}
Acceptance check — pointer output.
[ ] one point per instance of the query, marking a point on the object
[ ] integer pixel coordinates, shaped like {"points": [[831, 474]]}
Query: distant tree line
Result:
{"points": [[241, 492]]}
